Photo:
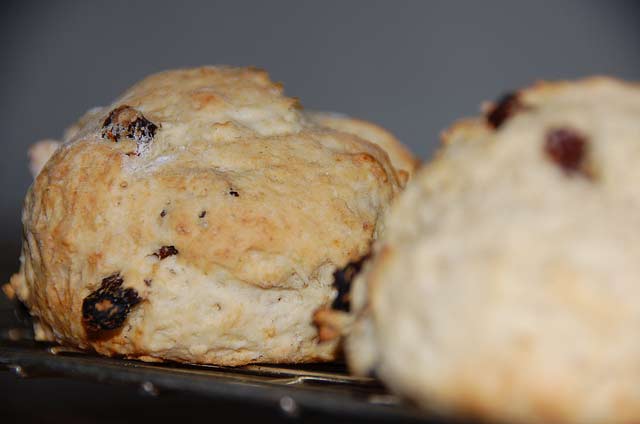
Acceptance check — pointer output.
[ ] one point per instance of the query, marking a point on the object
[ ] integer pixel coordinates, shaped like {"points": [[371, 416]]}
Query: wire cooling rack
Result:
{"points": [[324, 388]]}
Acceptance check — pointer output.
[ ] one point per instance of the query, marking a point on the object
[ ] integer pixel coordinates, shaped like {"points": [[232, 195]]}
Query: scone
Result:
{"points": [[401, 158], [198, 218], [505, 286], [333, 321]]}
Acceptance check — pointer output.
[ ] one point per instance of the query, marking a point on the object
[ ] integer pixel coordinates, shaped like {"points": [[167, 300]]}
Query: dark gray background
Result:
{"points": [[412, 66]]}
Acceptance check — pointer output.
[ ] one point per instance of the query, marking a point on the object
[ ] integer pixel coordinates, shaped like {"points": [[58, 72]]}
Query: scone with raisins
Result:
{"points": [[198, 218], [505, 286]]}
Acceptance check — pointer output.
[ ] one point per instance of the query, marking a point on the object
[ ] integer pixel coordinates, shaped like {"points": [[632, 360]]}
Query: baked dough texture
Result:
{"points": [[198, 218], [401, 158], [505, 286]]}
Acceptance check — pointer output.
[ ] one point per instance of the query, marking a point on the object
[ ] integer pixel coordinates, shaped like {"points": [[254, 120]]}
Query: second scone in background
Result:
{"points": [[505, 286]]}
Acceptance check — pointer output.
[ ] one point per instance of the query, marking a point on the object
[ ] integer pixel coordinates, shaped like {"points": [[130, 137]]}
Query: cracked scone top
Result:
{"points": [[198, 218], [506, 285]]}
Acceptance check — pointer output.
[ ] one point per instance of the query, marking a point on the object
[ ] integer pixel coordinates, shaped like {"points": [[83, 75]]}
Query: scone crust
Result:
{"points": [[401, 157], [505, 286], [258, 204]]}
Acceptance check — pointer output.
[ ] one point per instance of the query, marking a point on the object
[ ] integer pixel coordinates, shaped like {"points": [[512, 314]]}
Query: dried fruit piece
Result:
{"points": [[108, 307], [503, 109], [125, 121], [567, 148], [233, 193], [166, 251], [342, 279], [202, 214]]}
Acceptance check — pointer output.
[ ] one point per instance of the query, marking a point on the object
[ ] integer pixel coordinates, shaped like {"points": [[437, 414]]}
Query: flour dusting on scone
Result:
{"points": [[198, 218], [505, 286]]}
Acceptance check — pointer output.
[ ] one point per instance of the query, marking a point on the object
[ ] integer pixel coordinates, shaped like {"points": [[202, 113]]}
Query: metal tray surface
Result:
{"points": [[323, 388]]}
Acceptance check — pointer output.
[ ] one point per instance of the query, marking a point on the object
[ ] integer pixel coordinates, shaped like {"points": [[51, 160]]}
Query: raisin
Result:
{"points": [[125, 121], [166, 251], [142, 129], [342, 279], [233, 193], [202, 214], [108, 307], [567, 148], [163, 213], [503, 109]]}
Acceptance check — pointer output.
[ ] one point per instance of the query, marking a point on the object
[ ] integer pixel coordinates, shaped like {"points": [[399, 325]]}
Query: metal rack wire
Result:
{"points": [[326, 388]]}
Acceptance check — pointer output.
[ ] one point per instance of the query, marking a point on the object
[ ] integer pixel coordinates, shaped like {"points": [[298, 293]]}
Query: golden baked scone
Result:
{"points": [[198, 218], [333, 321], [401, 158], [404, 162], [505, 286]]}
